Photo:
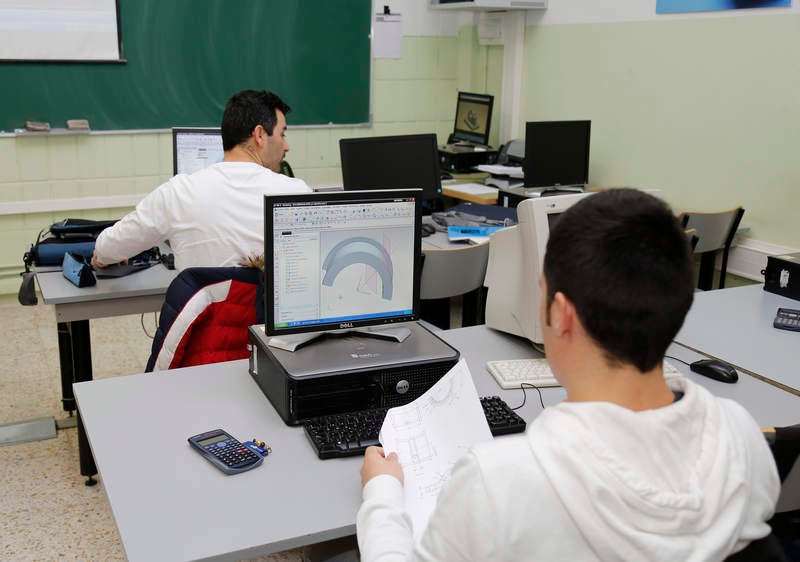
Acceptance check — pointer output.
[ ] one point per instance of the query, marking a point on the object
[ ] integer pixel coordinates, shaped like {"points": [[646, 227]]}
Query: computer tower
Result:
{"points": [[350, 372]]}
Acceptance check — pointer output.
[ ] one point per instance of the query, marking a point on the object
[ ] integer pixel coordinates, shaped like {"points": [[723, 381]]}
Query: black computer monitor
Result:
{"points": [[473, 118], [341, 260], [195, 148], [395, 162], [556, 154]]}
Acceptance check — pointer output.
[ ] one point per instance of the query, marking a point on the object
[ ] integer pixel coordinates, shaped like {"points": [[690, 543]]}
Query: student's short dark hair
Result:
{"points": [[623, 259], [247, 109]]}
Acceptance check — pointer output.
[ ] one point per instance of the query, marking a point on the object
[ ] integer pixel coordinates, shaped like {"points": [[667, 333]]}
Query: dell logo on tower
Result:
{"points": [[402, 386]]}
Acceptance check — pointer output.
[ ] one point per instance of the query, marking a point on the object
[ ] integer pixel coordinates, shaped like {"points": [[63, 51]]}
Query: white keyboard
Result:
{"points": [[513, 373]]}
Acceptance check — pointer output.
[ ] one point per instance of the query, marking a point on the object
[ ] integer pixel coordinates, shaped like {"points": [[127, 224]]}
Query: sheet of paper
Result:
{"points": [[430, 434], [473, 188], [387, 41], [499, 170]]}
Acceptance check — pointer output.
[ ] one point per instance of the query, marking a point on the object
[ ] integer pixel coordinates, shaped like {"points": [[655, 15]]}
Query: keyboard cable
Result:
{"points": [[525, 396]]}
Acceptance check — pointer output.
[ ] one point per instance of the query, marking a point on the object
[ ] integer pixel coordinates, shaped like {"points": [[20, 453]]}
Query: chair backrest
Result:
{"points": [[691, 234], [714, 230], [205, 317], [452, 271]]}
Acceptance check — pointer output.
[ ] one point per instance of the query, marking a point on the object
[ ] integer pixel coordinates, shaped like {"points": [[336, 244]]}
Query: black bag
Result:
{"points": [[77, 270]]}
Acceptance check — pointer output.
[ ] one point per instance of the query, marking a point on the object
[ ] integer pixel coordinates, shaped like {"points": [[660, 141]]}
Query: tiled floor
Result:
{"points": [[47, 513]]}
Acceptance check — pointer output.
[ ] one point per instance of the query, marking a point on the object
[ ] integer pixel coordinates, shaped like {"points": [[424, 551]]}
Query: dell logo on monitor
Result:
{"points": [[402, 386], [344, 325]]}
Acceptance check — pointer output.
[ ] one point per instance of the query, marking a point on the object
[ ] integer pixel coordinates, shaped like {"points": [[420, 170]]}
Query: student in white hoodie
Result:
{"points": [[215, 216], [629, 467]]}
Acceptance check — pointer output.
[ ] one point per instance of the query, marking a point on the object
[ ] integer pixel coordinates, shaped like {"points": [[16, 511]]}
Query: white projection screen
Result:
{"points": [[59, 30]]}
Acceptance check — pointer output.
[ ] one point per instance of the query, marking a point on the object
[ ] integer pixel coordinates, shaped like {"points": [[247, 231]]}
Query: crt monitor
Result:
{"points": [[473, 118], [341, 260], [194, 148], [394, 162], [516, 256], [556, 153]]}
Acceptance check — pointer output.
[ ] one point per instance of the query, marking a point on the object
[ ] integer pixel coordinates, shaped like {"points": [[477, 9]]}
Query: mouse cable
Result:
{"points": [[677, 359], [525, 396]]}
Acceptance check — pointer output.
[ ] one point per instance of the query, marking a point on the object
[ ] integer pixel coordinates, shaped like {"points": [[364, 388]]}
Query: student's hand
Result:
{"points": [[375, 464]]}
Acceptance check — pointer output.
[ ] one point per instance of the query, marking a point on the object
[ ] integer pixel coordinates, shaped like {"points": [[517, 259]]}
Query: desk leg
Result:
{"points": [[88, 468], [472, 307], [75, 352], [67, 372]]}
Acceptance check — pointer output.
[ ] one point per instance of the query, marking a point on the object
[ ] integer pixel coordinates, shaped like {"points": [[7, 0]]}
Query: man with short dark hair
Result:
{"points": [[214, 217], [629, 467]]}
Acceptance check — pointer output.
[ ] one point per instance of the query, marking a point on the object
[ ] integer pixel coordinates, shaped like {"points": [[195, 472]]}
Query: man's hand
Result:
{"points": [[375, 464], [97, 263]]}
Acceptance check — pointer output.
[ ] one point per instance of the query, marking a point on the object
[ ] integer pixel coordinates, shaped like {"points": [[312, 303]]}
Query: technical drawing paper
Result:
{"points": [[430, 434]]}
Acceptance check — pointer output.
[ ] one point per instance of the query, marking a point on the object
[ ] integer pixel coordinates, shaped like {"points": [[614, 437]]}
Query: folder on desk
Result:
{"points": [[471, 234]]}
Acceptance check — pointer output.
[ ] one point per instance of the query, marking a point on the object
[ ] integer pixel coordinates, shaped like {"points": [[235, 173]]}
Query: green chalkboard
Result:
{"points": [[185, 58]]}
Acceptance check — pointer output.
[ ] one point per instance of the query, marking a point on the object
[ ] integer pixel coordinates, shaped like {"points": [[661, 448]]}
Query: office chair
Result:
{"points": [[715, 232], [286, 169], [205, 317], [452, 272]]}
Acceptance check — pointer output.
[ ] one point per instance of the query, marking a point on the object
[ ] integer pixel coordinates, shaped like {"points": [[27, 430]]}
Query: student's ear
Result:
{"points": [[562, 314]]}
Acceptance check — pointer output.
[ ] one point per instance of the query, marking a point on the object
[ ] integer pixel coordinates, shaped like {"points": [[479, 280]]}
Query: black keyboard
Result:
{"points": [[347, 435]]}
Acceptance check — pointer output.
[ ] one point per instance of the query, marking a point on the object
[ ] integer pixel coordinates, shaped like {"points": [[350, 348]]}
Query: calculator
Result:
{"points": [[225, 452], [787, 319]]}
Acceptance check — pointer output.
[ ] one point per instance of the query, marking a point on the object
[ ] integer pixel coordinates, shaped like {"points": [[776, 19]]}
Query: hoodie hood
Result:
{"points": [[629, 487]]}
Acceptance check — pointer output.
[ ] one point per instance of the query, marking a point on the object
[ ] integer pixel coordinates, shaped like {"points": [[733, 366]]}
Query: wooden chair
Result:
{"points": [[450, 272], [715, 232]]}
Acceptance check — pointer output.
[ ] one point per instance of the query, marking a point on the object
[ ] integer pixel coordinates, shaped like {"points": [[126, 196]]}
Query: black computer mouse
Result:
{"points": [[715, 369], [427, 230]]}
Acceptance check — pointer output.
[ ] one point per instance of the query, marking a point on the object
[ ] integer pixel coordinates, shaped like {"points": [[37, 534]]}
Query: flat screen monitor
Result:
{"points": [[395, 162], [473, 118], [556, 154], [195, 148], [341, 260]]}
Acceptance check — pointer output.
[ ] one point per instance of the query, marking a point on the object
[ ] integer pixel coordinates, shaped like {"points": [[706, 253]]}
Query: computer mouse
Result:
{"points": [[427, 230], [715, 369]]}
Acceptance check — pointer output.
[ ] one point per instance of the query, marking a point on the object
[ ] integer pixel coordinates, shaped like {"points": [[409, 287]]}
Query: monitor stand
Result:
{"points": [[292, 342]]}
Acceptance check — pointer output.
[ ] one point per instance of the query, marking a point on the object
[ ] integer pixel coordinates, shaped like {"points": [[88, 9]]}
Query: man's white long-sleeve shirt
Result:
{"points": [[212, 218]]}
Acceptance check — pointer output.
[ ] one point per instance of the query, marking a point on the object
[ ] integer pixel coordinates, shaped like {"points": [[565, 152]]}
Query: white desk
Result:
{"points": [[736, 325], [170, 504]]}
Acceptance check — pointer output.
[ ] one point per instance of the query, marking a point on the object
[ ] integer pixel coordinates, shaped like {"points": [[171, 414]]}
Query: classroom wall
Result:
{"points": [[701, 106], [413, 94]]}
